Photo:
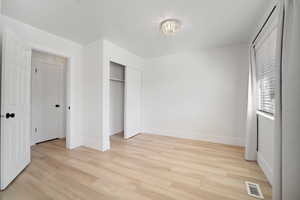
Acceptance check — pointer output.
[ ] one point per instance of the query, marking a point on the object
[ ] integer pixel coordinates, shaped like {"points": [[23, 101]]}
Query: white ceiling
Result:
{"points": [[134, 24]]}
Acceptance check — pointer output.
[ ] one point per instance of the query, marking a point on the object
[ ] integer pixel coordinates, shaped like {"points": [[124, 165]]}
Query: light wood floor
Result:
{"points": [[144, 167]]}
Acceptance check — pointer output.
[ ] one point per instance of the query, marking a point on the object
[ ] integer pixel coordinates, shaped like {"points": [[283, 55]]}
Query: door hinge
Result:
{"points": [[35, 130], [35, 70]]}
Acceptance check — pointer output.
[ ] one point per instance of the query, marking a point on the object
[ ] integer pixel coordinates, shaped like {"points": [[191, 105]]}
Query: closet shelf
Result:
{"points": [[118, 80]]}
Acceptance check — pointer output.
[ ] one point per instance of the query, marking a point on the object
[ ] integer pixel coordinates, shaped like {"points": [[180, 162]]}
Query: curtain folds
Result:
{"points": [[277, 150], [286, 160], [287, 157], [251, 124]]}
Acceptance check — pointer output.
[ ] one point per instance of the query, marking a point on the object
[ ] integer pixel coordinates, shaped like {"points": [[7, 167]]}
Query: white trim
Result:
{"points": [[235, 141], [112, 53], [67, 97], [265, 115], [265, 167], [61, 61]]}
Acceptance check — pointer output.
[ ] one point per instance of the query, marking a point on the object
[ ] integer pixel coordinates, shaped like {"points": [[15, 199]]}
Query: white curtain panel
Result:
{"points": [[289, 131], [277, 150], [251, 124], [286, 170], [259, 49], [286, 166]]}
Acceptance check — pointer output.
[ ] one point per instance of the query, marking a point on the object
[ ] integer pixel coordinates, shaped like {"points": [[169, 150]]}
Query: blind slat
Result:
{"points": [[265, 64]]}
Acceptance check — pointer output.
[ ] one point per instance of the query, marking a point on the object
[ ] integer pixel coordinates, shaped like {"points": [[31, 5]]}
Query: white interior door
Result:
{"points": [[47, 100], [15, 107], [133, 81]]}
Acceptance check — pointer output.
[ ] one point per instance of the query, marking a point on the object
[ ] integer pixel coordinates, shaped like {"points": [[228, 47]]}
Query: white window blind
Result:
{"points": [[265, 56]]}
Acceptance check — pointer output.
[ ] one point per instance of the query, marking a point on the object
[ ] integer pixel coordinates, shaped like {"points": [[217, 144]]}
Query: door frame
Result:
{"points": [[112, 53], [106, 120], [124, 97], [106, 106], [67, 92]]}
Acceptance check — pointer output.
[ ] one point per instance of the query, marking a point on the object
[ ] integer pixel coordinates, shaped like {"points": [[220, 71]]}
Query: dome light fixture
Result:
{"points": [[170, 26]]}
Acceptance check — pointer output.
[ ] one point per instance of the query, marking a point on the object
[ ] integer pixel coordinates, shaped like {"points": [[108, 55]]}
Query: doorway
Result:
{"points": [[48, 97], [117, 99]]}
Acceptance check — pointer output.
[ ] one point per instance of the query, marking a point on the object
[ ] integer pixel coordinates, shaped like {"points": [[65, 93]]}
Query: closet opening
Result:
{"points": [[48, 98], [116, 102]]}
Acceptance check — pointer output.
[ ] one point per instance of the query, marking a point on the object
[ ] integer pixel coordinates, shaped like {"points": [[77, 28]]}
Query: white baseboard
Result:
{"points": [[93, 143], [197, 136], [116, 132], [75, 145], [265, 167], [105, 147]]}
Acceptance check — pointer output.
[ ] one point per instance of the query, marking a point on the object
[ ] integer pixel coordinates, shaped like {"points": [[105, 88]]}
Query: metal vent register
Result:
{"points": [[254, 190]]}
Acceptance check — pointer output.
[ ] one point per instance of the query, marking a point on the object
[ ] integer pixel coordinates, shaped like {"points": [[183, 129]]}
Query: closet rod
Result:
{"points": [[118, 80], [266, 21]]}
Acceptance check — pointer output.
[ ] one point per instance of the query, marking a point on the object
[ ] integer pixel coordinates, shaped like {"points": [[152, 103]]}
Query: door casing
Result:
{"points": [[41, 58]]}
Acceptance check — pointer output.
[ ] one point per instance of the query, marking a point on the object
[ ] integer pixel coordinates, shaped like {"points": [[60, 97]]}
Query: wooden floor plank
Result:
{"points": [[144, 167]]}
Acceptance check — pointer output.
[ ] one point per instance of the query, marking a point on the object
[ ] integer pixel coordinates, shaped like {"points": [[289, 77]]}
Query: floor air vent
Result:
{"points": [[253, 190]]}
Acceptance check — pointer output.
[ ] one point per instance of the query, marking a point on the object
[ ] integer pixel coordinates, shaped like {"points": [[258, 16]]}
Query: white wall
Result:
{"points": [[91, 85], [117, 71], [41, 40], [116, 107], [198, 95], [96, 60], [116, 102], [114, 53], [265, 145]]}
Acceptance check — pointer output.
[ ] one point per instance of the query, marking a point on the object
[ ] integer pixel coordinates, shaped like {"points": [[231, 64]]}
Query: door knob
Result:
{"points": [[9, 115]]}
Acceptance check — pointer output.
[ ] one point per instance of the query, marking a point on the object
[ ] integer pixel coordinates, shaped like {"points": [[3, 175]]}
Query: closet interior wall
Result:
{"points": [[117, 84]]}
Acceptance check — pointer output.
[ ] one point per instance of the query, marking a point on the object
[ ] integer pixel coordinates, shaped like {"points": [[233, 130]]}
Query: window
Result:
{"points": [[265, 57]]}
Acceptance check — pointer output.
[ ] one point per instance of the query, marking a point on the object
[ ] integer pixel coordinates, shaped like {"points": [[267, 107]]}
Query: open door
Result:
{"points": [[133, 81], [15, 107]]}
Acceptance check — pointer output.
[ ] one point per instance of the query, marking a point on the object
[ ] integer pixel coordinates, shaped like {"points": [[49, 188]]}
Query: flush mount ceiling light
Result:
{"points": [[170, 26]]}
